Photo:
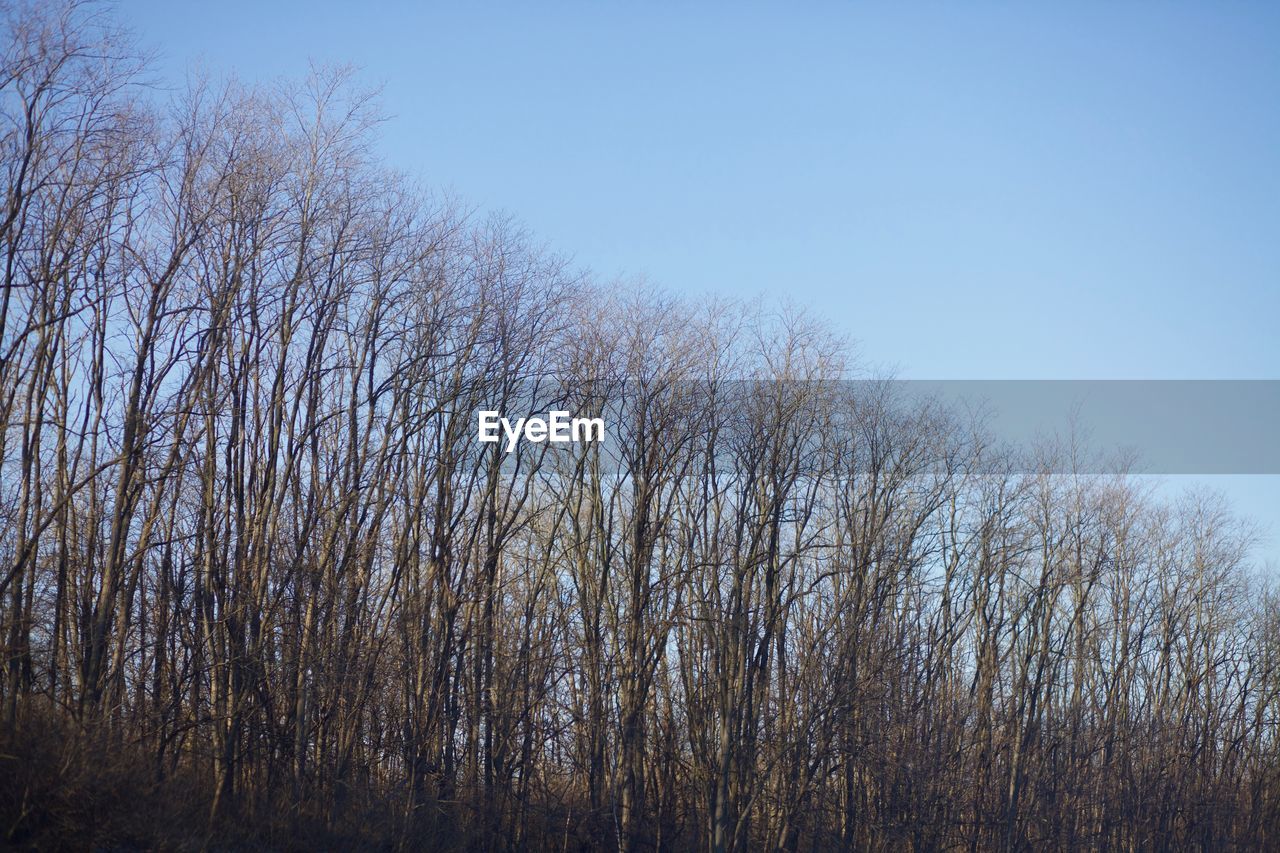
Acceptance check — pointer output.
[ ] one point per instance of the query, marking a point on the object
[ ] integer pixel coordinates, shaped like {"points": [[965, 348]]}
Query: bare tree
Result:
{"points": [[262, 585]]}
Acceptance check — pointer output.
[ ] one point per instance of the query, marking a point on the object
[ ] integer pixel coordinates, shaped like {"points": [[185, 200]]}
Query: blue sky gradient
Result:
{"points": [[978, 191]]}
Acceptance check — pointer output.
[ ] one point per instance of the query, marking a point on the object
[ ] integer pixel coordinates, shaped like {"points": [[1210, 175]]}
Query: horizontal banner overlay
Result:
{"points": [[996, 426]]}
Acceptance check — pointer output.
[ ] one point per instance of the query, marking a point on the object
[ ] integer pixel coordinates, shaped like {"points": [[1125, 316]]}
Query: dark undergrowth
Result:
{"points": [[64, 789]]}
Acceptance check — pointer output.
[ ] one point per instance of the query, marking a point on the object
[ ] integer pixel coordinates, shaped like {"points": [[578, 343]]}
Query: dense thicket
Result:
{"points": [[261, 585]]}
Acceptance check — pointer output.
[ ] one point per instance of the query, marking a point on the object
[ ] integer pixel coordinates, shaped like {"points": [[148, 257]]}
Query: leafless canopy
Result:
{"points": [[260, 584]]}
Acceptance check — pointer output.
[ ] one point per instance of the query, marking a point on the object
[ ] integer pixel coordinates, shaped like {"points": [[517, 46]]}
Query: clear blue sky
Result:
{"points": [[1082, 190]]}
